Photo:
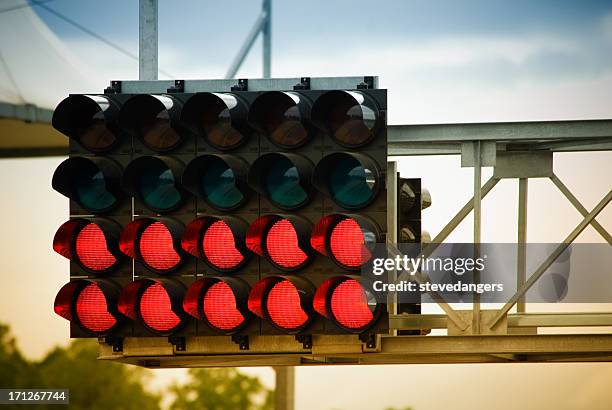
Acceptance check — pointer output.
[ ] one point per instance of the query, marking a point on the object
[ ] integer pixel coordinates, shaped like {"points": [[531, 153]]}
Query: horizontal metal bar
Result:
{"points": [[500, 131], [392, 349], [25, 112], [256, 84], [560, 319], [439, 321]]}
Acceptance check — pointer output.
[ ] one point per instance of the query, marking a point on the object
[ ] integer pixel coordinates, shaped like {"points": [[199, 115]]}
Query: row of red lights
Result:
{"points": [[225, 304], [224, 243]]}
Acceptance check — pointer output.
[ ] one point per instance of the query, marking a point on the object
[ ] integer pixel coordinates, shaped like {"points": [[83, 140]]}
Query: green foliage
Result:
{"points": [[394, 408], [95, 384], [15, 371], [221, 389], [103, 385]]}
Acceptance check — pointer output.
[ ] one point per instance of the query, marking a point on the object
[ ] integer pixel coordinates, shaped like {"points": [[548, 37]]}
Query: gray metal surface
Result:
{"points": [[25, 112], [266, 33], [262, 25], [257, 84], [147, 40], [555, 136]]}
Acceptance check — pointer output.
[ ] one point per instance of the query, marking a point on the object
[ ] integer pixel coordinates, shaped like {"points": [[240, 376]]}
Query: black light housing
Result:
{"points": [[351, 118], [93, 243], [219, 118], [92, 182], [283, 117], [220, 241], [219, 179], [154, 120], [285, 301], [220, 302], [283, 178], [351, 180], [90, 120], [346, 301], [91, 304], [156, 181], [156, 303], [284, 240]]}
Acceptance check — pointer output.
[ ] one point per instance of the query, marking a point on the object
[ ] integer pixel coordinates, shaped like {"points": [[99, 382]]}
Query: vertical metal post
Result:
{"points": [[284, 394], [477, 230], [147, 36], [392, 228], [267, 38], [521, 263]]}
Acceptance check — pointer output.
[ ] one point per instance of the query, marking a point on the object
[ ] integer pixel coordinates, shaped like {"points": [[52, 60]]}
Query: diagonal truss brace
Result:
{"points": [[588, 219]]}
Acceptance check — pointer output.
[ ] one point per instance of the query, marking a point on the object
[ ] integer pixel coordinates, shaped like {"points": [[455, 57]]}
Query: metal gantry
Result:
{"points": [[521, 150]]}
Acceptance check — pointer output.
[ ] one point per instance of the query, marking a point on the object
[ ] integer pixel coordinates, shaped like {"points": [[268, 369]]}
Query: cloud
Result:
{"points": [[529, 76]]}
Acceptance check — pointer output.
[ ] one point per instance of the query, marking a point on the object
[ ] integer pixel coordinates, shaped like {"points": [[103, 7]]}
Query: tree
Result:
{"points": [[95, 384], [102, 385], [221, 389], [16, 370]]}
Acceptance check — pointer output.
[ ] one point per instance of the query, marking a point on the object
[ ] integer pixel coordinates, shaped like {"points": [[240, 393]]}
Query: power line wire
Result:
{"points": [[23, 6], [93, 34]]}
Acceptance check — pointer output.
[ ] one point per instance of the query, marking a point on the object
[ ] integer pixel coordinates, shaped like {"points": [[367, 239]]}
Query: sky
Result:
{"points": [[442, 62]]}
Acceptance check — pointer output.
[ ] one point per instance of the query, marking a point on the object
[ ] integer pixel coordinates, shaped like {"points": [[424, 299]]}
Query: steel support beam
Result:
{"points": [[477, 231], [266, 34], [284, 394], [521, 258], [391, 350], [500, 131], [515, 320], [553, 256], [262, 25], [147, 40], [583, 211]]}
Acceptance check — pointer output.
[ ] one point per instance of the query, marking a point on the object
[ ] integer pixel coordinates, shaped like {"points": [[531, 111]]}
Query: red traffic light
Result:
{"points": [[348, 239], [155, 242], [90, 303], [219, 241], [284, 301], [346, 302], [220, 302], [93, 243], [155, 303], [282, 239]]}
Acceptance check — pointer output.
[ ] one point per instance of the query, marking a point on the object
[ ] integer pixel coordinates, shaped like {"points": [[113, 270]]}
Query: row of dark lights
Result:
{"points": [[224, 119], [225, 243], [226, 305], [189, 178]]}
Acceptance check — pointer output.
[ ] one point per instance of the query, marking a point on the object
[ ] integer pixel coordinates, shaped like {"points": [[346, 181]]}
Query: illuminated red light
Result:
{"points": [[156, 247], [219, 246], [92, 310], [92, 250], [349, 305], [347, 244], [284, 306], [220, 308], [282, 245], [156, 309]]}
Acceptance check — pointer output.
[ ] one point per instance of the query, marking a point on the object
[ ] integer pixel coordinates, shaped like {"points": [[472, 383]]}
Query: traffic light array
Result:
{"points": [[232, 212]]}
